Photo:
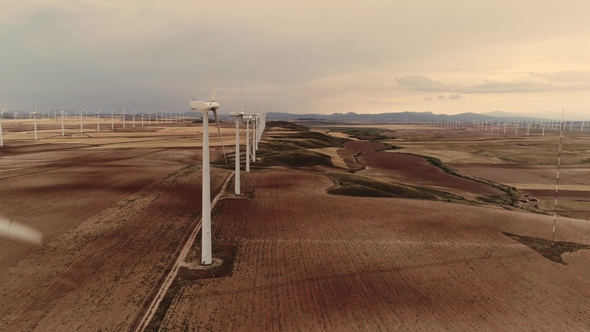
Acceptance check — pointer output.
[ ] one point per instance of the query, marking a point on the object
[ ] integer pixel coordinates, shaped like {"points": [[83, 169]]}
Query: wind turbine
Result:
{"points": [[113, 120], [123, 115], [205, 107], [237, 115], [97, 121], [133, 119], [81, 122], [142, 117], [247, 118], [1, 116], [34, 116], [62, 122], [149, 117], [254, 124]]}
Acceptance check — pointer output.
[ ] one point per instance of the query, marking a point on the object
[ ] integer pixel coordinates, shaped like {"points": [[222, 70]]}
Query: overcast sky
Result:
{"points": [[325, 56]]}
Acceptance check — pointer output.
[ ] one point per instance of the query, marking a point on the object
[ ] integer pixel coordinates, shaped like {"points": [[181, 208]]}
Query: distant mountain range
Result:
{"points": [[417, 116]]}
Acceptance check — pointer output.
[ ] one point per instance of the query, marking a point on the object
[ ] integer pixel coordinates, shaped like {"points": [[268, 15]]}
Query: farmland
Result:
{"points": [[330, 234], [310, 261]]}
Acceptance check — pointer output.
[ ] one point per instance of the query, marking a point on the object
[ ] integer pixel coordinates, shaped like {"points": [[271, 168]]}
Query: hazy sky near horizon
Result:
{"points": [[326, 56]]}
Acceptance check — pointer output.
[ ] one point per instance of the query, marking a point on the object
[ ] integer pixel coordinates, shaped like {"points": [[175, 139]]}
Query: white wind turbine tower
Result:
{"points": [[81, 122], [142, 117], [97, 121], [113, 120], [34, 116], [1, 116], [62, 122], [149, 117], [247, 118], [133, 119], [237, 115], [254, 124], [123, 116], [205, 107]]}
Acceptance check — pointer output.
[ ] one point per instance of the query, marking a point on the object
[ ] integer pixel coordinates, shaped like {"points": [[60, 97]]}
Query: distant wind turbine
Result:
{"points": [[81, 121], [97, 121], [62, 121], [1, 117], [238, 116], [34, 116], [247, 118]]}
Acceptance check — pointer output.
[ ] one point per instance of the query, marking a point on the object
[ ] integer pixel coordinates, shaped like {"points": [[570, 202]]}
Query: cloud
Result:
{"points": [[441, 97], [383, 102], [565, 76], [423, 83], [155, 54]]}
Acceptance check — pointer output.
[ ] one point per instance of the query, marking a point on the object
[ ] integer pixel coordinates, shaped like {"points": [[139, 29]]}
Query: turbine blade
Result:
{"points": [[241, 106], [213, 75], [20, 232], [220, 138]]}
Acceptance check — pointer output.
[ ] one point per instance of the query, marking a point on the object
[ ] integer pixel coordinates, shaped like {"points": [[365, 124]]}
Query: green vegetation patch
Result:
{"points": [[546, 249], [286, 125], [370, 134], [497, 199], [360, 186], [512, 197], [301, 136], [390, 147]]}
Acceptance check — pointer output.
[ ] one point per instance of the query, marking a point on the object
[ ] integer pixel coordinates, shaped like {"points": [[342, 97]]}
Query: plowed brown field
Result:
{"points": [[310, 261], [115, 219], [98, 275], [55, 191]]}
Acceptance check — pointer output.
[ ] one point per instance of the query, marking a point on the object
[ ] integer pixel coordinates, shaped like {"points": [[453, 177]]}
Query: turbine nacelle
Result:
{"points": [[236, 114], [203, 106]]}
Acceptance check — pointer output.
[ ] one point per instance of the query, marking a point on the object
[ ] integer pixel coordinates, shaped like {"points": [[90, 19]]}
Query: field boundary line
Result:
{"points": [[179, 263]]}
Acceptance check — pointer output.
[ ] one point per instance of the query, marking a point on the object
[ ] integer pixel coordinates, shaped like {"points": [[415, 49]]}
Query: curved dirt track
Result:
{"points": [[311, 261], [414, 170]]}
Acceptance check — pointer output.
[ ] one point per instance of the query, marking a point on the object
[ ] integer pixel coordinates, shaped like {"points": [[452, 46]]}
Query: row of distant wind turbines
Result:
{"points": [[511, 125], [258, 125], [165, 117]]}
